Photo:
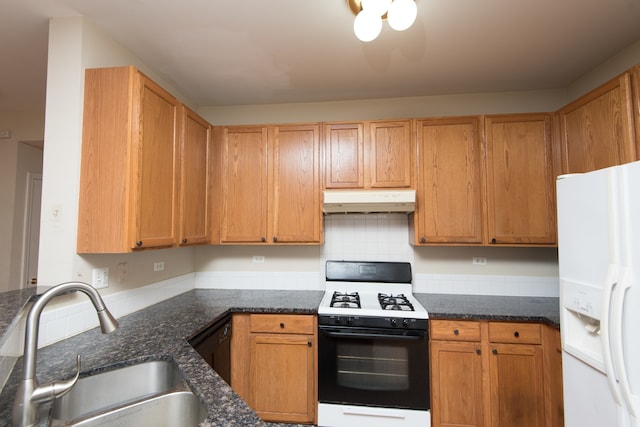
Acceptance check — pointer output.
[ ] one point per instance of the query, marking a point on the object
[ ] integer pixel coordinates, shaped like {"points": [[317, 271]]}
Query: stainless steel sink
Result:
{"points": [[149, 393]]}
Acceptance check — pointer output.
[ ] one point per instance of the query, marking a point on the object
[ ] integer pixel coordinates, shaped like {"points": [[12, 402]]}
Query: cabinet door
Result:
{"points": [[155, 167], [516, 383], [295, 207], [449, 195], [194, 179], [597, 129], [391, 154], [344, 155], [244, 185], [456, 384], [283, 377], [520, 186]]}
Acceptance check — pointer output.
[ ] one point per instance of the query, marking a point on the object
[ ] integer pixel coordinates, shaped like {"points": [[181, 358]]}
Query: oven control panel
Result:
{"points": [[373, 322]]}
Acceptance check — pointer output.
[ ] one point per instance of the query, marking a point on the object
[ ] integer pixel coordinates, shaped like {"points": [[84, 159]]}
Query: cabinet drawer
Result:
{"points": [[455, 330], [283, 323], [526, 333]]}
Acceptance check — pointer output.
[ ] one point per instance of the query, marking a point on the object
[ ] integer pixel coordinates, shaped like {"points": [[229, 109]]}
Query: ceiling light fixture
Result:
{"points": [[400, 14]]}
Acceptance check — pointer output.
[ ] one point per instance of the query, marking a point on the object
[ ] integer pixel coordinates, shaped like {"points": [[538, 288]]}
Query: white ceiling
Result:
{"points": [[235, 52]]}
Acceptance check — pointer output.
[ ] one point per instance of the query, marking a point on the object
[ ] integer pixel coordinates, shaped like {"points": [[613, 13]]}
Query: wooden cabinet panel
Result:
{"points": [[391, 154], [130, 161], [296, 210], [270, 184], [244, 185], [516, 376], [283, 377], [456, 384], [344, 155], [597, 129], [275, 368], [194, 179], [495, 374], [450, 186], [520, 183], [369, 154]]}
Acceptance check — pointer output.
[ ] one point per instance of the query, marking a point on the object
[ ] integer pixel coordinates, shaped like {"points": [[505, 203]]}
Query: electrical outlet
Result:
{"points": [[158, 266], [258, 258], [5, 133], [122, 272], [100, 278], [479, 260]]}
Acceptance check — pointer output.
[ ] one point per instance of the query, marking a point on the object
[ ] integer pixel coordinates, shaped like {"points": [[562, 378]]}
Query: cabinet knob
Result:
{"points": [[494, 351], [456, 332], [478, 351], [281, 325], [264, 239], [184, 241], [275, 239], [139, 243], [494, 240], [516, 334], [423, 240], [309, 343]]}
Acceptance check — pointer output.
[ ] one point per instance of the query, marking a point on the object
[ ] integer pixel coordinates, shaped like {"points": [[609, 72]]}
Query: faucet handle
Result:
{"points": [[55, 389]]}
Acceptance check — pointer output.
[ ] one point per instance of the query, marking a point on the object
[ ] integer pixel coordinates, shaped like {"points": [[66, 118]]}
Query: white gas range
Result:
{"points": [[373, 367]]}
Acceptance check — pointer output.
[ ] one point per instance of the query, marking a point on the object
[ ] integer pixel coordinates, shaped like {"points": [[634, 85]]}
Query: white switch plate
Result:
{"points": [[5, 133], [258, 258], [100, 278], [158, 266], [479, 260]]}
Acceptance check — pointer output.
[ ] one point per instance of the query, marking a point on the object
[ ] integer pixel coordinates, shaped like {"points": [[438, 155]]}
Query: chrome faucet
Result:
{"points": [[30, 395]]}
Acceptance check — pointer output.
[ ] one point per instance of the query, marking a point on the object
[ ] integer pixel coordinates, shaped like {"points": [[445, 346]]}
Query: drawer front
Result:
{"points": [[525, 333], [283, 323], [455, 330]]}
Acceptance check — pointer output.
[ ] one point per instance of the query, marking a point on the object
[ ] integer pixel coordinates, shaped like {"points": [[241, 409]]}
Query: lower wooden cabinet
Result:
{"points": [[275, 365], [494, 374]]}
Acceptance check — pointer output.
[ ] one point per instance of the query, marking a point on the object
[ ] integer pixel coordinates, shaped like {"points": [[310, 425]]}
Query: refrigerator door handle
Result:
{"points": [[605, 332], [617, 348]]}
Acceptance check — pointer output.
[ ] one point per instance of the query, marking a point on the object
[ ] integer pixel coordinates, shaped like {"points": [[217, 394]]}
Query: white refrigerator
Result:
{"points": [[599, 262]]}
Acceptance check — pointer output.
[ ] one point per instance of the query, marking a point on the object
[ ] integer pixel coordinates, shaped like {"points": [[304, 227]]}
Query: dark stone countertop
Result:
{"points": [[11, 303], [162, 331]]}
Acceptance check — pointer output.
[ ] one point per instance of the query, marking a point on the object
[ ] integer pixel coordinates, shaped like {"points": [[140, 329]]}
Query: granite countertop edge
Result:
{"points": [[162, 331]]}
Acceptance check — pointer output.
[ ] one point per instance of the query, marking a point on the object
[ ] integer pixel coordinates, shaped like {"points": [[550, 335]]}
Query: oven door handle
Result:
{"points": [[360, 335]]}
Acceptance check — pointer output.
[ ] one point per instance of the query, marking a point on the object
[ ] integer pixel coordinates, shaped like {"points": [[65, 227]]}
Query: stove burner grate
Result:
{"points": [[345, 300], [395, 302]]}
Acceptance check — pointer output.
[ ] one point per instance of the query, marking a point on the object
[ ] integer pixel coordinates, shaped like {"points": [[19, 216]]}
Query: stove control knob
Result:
{"points": [[394, 323], [349, 321], [405, 323]]}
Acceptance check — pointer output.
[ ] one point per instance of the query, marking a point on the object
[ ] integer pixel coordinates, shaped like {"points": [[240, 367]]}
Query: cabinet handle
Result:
{"points": [[516, 334], [423, 240], [281, 325], [494, 240], [456, 332], [264, 239], [275, 239], [478, 351], [309, 343], [184, 241], [494, 351], [139, 243]]}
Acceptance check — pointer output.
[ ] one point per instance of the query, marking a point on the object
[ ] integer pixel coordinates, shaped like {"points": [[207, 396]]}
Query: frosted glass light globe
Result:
{"points": [[367, 25], [380, 7], [402, 14]]}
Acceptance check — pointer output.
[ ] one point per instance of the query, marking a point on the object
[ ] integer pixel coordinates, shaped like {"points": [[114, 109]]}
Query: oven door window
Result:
{"points": [[359, 366]]}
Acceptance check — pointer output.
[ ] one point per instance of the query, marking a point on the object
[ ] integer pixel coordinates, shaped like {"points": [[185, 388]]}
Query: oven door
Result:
{"points": [[373, 367]]}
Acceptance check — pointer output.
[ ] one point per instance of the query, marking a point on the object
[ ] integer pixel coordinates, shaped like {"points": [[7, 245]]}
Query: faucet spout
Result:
{"points": [[30, 394]]}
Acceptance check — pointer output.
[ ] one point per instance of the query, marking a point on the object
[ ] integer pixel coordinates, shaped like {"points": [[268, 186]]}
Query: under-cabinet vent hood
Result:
{"points": [[369, 201]]}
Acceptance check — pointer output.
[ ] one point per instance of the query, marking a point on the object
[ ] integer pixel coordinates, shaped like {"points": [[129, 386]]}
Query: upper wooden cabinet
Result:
{"points": [[194, 178], [450, 186], [370, 154], [270, 184], [597, 130], [128, 181], [520, 181]]}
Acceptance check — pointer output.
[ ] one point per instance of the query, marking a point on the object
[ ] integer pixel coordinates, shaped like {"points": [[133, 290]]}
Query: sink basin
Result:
{"points": [[153, 390], [175, 409]]}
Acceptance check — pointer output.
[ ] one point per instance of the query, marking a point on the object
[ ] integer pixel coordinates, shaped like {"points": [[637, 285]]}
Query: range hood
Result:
{"points": [[369, 201]]}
